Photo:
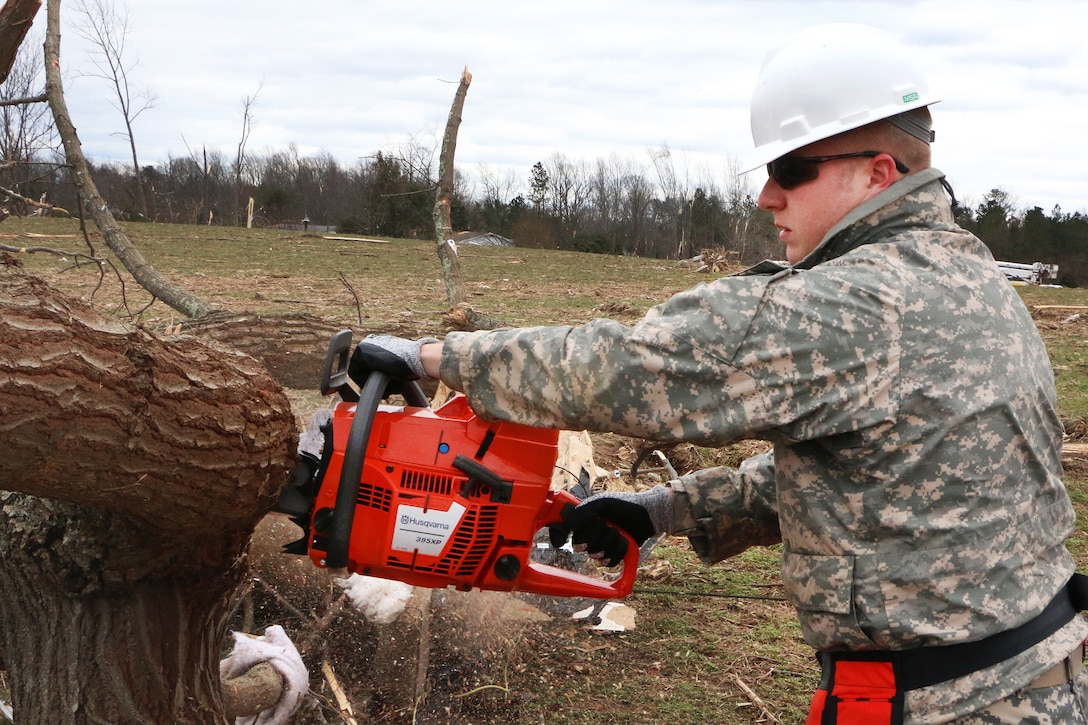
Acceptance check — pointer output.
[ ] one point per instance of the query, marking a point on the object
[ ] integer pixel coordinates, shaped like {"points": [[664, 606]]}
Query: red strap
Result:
{"points": [[864, 680], [816, 709], [863, 693]]}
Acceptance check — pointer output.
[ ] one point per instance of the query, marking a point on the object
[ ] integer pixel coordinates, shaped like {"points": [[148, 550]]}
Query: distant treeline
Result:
{"points": [[1032, 235], [610, 206]]}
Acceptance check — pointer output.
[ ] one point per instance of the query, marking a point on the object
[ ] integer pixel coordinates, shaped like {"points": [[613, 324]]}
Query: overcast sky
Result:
{"points": [[590, 79]]}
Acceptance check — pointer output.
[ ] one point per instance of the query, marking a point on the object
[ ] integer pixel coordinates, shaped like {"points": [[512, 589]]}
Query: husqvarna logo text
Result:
{"points": [[425, 532], [406, 520]]}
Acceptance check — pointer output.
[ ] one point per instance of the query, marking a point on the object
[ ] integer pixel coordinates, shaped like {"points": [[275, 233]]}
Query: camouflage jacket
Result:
{"points": [[915, 481]]}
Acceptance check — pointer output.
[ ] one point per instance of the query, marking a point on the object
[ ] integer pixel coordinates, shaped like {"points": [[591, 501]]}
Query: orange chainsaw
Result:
{"points": [[431, 497]]}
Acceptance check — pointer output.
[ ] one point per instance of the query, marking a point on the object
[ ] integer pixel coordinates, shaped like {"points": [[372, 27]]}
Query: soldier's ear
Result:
{"points": [[883, 172]]}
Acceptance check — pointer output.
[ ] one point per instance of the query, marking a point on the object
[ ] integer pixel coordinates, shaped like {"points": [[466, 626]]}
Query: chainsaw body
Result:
{"points": [[434, 497]]}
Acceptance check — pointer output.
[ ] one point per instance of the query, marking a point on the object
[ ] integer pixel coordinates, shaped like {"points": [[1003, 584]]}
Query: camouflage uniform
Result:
{"points": [[915, 481]]}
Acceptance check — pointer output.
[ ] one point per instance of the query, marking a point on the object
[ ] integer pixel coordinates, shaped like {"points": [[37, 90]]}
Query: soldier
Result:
{"points": [[915, 481]]}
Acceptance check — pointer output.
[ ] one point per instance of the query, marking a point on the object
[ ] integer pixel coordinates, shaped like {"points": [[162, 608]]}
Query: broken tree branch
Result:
{"points": [[38, 204], [358, 305], [756, 699], [461, 315], [443, 229], [90, 201]]}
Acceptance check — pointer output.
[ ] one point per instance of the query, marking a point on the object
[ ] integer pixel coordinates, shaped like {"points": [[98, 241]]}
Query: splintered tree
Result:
{"points": [[460, 315]]}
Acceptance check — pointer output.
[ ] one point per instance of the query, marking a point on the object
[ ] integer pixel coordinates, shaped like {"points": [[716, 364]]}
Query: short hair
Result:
{"points": [[885, 136]]}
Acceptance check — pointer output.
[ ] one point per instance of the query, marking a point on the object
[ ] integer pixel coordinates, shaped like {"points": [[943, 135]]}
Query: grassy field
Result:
{"points": [[709, 641]]}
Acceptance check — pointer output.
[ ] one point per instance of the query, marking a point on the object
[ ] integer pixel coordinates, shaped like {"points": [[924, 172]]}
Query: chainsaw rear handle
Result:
{"points": [[544, 579], [334, 374]]}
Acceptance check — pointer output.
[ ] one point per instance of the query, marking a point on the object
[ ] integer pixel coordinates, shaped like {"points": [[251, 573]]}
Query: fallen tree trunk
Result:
{"points": [[135, 472]]}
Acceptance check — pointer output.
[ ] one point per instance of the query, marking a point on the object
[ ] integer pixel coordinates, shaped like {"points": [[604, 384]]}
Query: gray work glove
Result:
{"points": [[595, 522], [397, 357]]}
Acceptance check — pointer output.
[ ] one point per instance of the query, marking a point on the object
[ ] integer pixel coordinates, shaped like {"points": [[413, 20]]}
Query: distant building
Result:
{"points": [[483, 239], [1035, 274]]}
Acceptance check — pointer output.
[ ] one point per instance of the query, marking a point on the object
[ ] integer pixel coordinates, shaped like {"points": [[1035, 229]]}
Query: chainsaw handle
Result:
{"points": [[544, 579], [351, 471], [343, 513]]}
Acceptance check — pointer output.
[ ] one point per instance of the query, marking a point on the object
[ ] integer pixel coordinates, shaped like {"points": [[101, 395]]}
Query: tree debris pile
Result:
{"points": [[716, 260]]}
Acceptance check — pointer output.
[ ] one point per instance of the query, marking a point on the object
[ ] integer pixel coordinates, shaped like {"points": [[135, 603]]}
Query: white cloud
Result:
{"points": [[585, 79]]}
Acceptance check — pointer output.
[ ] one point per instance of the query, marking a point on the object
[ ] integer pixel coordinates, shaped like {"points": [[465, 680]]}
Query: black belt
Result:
{"points": [[925, 666]]}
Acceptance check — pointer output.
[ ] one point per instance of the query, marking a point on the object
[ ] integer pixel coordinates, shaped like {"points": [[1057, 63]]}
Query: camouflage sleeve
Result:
{"points": [[669, 377], [723, 511]]}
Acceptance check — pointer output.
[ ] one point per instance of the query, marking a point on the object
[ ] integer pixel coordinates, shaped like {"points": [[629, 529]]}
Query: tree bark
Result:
{"points": [[16, 18], [136, 471], [90, 201]]}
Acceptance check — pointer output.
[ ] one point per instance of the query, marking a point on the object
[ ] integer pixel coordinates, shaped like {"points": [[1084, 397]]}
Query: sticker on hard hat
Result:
{"points": [[910, 97], [425, 530]]}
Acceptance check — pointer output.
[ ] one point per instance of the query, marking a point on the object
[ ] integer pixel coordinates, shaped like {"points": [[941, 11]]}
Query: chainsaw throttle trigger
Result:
{"points": [[481, 478], [545, 579]]}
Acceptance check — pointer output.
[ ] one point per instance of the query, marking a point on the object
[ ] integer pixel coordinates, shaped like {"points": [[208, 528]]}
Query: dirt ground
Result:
{"points": [[709, 644], [503, 658]]}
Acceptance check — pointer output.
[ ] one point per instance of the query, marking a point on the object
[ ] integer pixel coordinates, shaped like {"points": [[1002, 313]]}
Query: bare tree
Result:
{"points": [[678, 198], [91, 202], [197, 192], [620, 196], [417, 158], [106, 28], [569, 190], [239, 165], [751, 231], [27, 135], [638, 195], [460, 314], [499, 187]]}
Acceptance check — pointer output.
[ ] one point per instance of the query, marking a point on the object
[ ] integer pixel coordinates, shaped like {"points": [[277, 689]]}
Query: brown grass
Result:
{"points": [[706, 637]]}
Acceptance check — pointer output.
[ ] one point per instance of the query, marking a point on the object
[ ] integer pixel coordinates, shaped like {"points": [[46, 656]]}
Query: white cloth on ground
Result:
{"points": [[277, 649]]}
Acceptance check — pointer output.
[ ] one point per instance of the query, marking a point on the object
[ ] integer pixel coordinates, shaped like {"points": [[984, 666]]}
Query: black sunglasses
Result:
{"points": [[789, 172]]}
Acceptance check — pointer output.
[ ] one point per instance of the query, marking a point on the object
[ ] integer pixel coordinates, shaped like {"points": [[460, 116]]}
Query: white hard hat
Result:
{"points": [[827, 80]]}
